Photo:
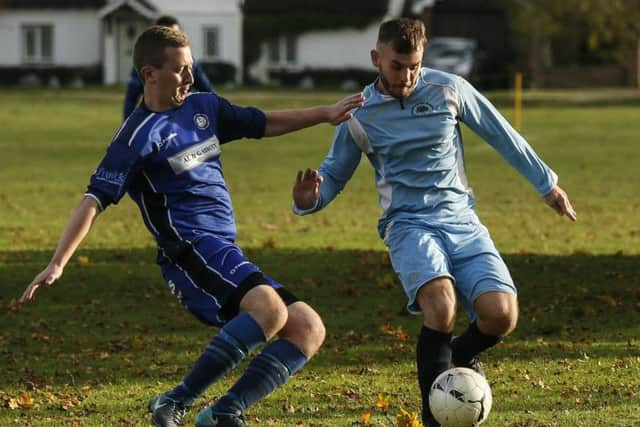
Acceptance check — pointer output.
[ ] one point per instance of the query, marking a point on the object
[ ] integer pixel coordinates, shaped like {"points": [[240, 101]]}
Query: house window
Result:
{"points": [[37, 44], [211, 43], [273, 48], [282, 49], [290, 48]]}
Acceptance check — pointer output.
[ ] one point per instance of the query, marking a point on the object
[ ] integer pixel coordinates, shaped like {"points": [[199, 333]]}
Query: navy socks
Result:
{"points": [[433, 356], [267, 371], [232, 344], [471, 343]]}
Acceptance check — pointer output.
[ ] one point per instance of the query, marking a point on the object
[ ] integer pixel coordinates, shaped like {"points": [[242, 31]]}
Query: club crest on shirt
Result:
{"points": [[421, 109], [201, 120]]}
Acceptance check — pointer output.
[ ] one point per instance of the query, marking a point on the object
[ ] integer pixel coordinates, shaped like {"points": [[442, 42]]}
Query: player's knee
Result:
{"points": [[275, 315], [315, 335], [501, 319], [503, 323], [304, 328], [437, 301], [266, 306]]}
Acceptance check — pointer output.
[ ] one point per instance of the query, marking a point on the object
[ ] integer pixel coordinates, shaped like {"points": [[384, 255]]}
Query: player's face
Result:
{"points": [[398, 72], [174, 78]]}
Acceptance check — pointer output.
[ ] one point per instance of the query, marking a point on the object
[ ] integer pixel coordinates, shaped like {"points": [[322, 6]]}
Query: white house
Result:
{"points": [[326, 50], [99, 34]]}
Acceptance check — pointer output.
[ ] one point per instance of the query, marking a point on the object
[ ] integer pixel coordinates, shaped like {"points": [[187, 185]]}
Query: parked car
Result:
{"points": [[455, 55]]}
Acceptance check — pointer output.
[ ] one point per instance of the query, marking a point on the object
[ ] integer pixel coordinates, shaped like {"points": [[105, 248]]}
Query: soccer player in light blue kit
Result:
{"points": [[409, 130], [166, 155]]}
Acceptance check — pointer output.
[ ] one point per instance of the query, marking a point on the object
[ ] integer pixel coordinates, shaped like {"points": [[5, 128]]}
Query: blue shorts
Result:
{"points": [[207, 276], [463, 252]]}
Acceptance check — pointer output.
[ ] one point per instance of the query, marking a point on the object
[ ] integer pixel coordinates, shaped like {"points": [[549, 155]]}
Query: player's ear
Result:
{"points": [[375, 57], [147, 73]]}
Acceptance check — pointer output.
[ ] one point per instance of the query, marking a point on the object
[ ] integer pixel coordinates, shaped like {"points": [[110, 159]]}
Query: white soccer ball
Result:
{"points": [[460, 397]]}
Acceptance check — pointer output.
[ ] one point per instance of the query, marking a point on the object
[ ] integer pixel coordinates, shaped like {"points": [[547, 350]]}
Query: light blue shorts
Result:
{"points": [[463, 252]]}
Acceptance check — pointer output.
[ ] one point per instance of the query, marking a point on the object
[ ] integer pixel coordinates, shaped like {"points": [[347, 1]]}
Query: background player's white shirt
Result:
{"points": [[415, 147]]}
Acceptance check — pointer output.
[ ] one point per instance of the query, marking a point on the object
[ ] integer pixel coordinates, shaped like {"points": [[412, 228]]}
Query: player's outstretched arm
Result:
{"points": [[76, 230], [281, 122], [558, 200], [306, 189]]}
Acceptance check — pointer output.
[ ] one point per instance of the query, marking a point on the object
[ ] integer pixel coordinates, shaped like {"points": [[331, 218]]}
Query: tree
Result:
{"points": [[575, 32]]}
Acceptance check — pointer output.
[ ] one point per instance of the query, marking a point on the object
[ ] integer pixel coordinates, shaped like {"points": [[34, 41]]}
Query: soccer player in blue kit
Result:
{"points": [[135, 88], [409, 130], [166, 155]]}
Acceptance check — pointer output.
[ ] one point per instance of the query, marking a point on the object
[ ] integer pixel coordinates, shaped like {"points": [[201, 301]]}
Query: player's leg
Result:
{"points": [[211, 287], [298, 341], [496, 317], [437, 300], [486, 291], [419, 259]]}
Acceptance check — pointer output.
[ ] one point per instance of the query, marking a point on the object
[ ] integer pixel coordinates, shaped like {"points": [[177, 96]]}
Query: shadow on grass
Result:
{"points": [[111, 317]]}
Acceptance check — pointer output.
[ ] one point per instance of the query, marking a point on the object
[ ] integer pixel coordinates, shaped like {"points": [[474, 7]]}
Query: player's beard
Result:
{"points": [[391, 89]]}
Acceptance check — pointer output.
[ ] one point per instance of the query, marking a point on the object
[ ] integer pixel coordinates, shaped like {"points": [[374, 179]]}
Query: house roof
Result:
{"points": [[207, 7], [52, 4], [141, 6], [158, 6]]}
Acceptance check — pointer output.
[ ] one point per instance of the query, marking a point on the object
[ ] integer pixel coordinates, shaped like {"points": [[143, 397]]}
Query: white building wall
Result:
{"points": [[230, 30], [195, 15], [348, 48], [109, 65], [337, 49], [75, 36], [323, 49]]}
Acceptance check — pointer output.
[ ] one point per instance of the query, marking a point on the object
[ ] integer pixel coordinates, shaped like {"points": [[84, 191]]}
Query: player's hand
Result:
{"points": [[559, 201], [306, 190], [340, 111], [46, 276]]}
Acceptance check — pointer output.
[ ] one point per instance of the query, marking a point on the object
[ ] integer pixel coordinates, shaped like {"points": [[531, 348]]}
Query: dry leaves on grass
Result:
{"points": [[22, 401], [396, 333], [408, 419], [404, 418]]}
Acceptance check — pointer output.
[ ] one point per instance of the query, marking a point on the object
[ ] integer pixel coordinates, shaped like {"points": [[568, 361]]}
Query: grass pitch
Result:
{"points": [[94, 348]]}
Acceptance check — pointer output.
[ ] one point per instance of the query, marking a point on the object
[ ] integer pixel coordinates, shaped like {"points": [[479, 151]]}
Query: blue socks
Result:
{"points": [[233, 343], [267, 371]]}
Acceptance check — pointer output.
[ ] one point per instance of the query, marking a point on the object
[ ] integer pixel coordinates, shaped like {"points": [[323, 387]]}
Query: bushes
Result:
{"points": [[324, 77], [54, 75], [220, 72]]}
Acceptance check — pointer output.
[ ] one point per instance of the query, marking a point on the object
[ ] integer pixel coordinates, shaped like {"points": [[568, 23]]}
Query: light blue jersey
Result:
{"points": [[415, 148]]}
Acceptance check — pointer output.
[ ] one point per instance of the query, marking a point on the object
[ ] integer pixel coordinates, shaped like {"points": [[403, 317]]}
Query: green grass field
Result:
{"points": [[94, 348]]}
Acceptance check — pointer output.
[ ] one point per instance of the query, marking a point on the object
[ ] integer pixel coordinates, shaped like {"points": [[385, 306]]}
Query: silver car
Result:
{"points": [[452, 54]]}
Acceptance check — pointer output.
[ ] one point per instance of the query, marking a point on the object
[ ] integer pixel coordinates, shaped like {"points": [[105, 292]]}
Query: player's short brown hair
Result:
{"points": [[406, 35], [151, 44]]}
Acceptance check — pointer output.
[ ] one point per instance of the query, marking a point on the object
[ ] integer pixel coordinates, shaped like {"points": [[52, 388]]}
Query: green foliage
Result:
{"points": [[94, 347], [579, 31]]}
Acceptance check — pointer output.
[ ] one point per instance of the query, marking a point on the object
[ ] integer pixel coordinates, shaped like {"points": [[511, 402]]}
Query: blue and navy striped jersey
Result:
{"points": [[169, 163]]}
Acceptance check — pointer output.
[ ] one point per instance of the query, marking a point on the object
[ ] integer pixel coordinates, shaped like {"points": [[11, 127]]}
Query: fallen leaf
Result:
{"points": [[383, 401], [408, 419]]}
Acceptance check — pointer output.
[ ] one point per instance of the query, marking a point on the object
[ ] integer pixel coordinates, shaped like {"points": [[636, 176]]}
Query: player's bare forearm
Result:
{"points": [[281, 122], [76, 230], [558, 200]]}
